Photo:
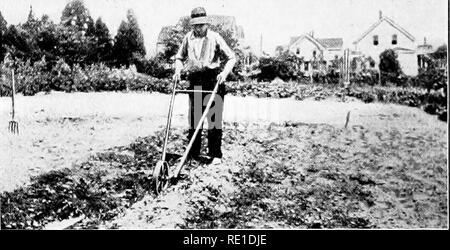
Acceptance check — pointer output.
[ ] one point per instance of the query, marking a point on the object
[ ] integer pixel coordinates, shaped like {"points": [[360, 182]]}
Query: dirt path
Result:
{"points": [[59, 129]]}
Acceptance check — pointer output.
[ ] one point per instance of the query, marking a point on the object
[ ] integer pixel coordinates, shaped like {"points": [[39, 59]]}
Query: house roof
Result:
{"points": [[400, 48], [324, 43], [308, 37], [331, 43], [403, 50], [294, 39], [390, 22]]}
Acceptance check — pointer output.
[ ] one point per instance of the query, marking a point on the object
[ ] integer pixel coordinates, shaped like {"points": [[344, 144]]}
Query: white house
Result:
{"points": [[317, 53], [386, 34]]}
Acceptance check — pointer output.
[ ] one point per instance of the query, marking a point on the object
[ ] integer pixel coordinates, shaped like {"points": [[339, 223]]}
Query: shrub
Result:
{"points": [[431, 79], [60, 76], [33, 78], [332, 76], [29, 78], [154, 67], [365, 77], [97, 75], [389, 67], [5, 89], [284, 67]]}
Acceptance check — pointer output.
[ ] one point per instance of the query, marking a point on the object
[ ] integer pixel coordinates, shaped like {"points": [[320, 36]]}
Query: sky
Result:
{"points": [[275, 21]]}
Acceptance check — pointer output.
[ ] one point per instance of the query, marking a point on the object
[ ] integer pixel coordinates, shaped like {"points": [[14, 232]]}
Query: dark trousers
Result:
{"points": [[206, 80]]}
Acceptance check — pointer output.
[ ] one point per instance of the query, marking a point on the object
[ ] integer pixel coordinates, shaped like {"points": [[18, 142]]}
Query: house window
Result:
{"points": [[306, 66], [394, 39], [375, 40], [298, 51], [371, 62]]}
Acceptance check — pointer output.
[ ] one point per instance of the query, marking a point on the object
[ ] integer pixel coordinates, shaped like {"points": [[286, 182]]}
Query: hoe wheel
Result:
{"points": [[161, 176]]}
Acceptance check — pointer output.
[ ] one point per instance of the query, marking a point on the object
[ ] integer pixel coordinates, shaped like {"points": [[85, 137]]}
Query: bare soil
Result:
{"points": [[287, 163]]}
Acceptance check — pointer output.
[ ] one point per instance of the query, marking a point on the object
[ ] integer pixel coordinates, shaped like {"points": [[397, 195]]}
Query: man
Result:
{"points": [[200, 50]]}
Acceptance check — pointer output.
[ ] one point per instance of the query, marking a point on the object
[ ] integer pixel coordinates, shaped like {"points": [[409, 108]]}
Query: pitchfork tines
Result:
{"points": [[13, 126]]}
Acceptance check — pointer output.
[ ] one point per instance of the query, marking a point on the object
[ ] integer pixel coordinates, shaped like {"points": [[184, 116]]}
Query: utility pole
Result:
{"points": [[260, 45]]}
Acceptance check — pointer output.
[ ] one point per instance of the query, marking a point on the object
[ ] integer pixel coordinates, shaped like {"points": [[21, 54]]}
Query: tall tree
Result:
{"points": [[136, 37], [172, 42], [32, 24], [47, 39], [173, 39], [77, 16], [15, 41], [129, 41], [31, 29], [76, 33], [103, 43], [3, 28], [122, 54], [3, 23]]}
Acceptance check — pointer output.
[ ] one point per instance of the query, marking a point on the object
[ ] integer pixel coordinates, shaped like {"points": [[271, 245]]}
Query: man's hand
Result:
{"points": [[178, 67], [176, 77], [221, 77]]}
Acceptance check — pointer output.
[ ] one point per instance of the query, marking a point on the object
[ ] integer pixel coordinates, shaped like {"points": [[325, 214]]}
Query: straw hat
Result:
{"points": [[198, 16]]}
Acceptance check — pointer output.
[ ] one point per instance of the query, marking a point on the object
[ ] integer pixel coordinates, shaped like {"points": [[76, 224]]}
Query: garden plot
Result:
{"points": [[59, 129], [392, 172], [300, 175]]}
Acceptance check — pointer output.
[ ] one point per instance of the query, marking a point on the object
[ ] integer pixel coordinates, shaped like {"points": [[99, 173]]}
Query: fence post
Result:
{"points": [[379, 74], [346, 67]]}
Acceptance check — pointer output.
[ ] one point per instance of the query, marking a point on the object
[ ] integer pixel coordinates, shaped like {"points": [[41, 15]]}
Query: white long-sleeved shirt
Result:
{"points": [[202, 52]]}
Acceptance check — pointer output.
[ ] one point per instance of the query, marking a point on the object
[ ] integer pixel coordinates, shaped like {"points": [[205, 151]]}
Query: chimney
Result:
{"points": [[380, 14], [425, 40], [311, 33]]}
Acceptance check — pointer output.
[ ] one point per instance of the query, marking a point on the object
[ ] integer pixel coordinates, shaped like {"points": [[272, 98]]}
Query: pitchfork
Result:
{"points": [[13, 125]]}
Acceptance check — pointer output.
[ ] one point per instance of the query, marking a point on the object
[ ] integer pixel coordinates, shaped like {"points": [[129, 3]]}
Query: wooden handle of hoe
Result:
{"points": [[13, 90]]}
